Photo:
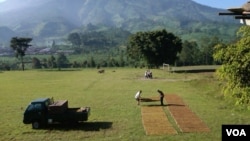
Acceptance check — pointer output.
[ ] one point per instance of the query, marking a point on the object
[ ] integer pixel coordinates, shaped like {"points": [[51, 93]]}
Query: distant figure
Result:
{"points": [[148, 74], [101, 71], [161, 96], [138, 97]]}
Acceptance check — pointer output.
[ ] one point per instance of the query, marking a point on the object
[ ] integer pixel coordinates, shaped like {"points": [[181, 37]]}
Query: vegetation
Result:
{"points": [[114, 112], [156, 47], [90, 39], [62, 61], [20, 45], [189, 54], [235, 70], [36, 64], [182, 38], [120, 53]]}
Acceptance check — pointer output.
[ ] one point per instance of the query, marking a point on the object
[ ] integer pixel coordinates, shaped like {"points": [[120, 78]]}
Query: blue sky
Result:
{"points": [[225, 4], [217, 3]]}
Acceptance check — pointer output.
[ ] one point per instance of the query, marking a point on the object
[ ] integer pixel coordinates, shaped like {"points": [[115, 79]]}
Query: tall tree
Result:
{"points": [[51, 63], [156, 47], [122, 61], [20, 45], [235, 69], [44, 63], [92, 62], [36, 64], [62, 61], [189, 53], [207, 45]]}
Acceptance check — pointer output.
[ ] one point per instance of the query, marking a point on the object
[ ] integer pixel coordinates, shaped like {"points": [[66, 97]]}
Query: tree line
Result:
{"points": [[141, 49], [190, 52], [61, 61], [90, 40]]}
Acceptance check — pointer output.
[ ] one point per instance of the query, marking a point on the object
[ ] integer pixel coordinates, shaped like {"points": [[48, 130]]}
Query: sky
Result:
{"points": [[224, 4]]}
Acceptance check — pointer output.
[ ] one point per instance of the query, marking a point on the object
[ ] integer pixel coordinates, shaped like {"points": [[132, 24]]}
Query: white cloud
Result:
{"points": [[2, 1]]}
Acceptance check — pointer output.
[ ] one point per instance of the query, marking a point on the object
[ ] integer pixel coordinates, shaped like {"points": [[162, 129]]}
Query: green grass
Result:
{"points": [[114, 113]]}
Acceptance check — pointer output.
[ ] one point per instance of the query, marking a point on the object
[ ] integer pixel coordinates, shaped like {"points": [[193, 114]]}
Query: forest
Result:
{"points": [[92, 47]]}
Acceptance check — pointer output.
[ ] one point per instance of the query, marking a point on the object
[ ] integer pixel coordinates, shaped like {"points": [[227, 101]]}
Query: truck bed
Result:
{"points": [[59, 106], [71, 115]]}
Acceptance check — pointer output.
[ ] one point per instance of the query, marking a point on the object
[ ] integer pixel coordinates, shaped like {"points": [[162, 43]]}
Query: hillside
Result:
{"points": [[55, 18]]}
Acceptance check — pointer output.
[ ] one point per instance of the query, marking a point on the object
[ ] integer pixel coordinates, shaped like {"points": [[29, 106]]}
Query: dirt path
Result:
{"points": [[186, 120], [155, 121]]}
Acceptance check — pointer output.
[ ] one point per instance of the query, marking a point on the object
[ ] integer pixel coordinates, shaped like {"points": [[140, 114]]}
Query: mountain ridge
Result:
{"points": [[48, 18]]}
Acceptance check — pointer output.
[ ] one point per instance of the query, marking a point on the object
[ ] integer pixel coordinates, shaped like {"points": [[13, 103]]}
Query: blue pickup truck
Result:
{"points": [[44, 111]]}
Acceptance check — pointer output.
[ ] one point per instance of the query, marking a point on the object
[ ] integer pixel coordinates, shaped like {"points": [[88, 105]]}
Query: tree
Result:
{"points": [[235, 69], [122, 62], [155, 47], [51, 62], [189, 53], [36, 64], [44, 63], [85, 64], [20, 45], [75, 64], [62, 61], [92, 62], [207, 44]]}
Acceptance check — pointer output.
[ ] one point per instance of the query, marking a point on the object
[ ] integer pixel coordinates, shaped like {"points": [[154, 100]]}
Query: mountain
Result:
{"points": [[6, 34], [43, 19]]}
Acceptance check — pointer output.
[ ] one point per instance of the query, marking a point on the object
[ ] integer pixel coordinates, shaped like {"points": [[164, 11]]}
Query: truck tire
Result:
{"points": [[36, 125]]}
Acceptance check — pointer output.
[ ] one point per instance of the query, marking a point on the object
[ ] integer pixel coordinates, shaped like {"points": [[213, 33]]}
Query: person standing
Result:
{"points": [[161, 96], [138, 97]]}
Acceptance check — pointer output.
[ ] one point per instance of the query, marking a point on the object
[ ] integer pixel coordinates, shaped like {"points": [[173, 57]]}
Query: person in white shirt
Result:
{"points": [[138, 97]]}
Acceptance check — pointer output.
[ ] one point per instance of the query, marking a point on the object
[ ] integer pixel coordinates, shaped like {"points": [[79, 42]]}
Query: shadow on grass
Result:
{"points": [[84, 126], [154, 105], [164, 105], [175, 105], [148, 100]]}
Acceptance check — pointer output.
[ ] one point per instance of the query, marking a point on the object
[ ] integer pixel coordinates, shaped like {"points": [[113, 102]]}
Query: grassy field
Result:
{"points": [[114, 113]]}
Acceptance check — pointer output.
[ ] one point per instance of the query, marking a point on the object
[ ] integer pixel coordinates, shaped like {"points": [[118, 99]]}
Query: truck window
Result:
{"points": [[38, 106], [30, 107]]}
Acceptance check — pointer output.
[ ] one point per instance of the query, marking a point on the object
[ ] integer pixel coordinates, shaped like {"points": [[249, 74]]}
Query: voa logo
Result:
{"points": [[236, 132]]}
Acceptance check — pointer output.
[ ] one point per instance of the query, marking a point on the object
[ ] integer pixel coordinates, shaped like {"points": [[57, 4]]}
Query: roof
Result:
{"points": [[246, 6], [39, 100]]}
